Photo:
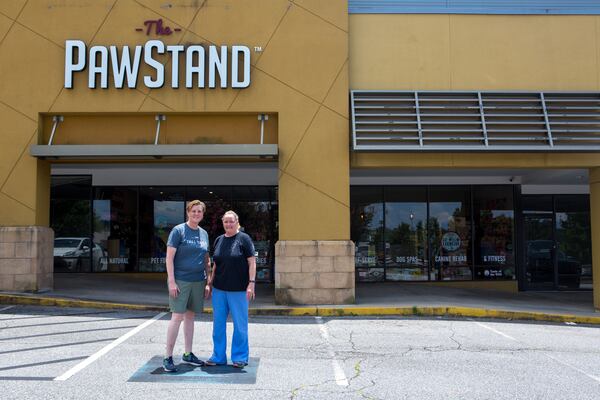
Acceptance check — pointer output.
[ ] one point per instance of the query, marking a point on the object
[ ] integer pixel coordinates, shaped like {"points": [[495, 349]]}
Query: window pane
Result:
{"points": [[406, 234], [450, 232], [218, 199], [255, 209], [366, 225], [574, 255], [494, 221], [115, 227], [161, 209], [70, 218]]}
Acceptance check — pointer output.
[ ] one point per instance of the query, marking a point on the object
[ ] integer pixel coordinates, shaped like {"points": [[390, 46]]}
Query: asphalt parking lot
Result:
{"points": [[68, 353]]}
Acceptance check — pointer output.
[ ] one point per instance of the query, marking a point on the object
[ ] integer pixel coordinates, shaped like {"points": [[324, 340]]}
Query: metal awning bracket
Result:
{"points": [[262, 118], [55, 121], [158, 118]]}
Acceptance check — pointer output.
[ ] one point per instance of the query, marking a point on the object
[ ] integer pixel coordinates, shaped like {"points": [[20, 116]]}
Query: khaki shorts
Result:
{"points": [[191, 297]]}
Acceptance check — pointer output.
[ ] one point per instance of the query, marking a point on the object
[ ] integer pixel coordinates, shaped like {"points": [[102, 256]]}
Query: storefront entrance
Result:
{"points": [[557, 252], [471, 232], [433, 233], [125, 228]]}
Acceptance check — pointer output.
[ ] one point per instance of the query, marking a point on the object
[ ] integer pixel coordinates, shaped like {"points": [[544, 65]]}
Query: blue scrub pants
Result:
{"points": [[223, 303]]}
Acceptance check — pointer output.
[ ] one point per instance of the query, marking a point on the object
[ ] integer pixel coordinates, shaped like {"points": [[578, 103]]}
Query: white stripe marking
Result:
{"points": [[597, 379], [495, 331], [338, 371], [108, 348], [6, 308]]}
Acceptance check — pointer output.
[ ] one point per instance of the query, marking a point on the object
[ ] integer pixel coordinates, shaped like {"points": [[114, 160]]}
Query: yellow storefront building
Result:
{"points": [[359, 142]]}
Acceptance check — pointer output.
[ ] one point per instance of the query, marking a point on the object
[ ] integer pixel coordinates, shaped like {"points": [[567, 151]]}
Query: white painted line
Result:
{"points": [[6, 308], [594, 377], [566, 364], [108, 348], [338, 371], [495, 331]]}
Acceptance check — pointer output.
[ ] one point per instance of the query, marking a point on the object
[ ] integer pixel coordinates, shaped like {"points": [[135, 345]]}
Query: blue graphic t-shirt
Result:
{"points": [[192, 246]]}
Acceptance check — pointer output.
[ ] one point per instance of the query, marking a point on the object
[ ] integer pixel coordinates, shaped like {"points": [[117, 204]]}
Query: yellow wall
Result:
{"points": [[301, 75], [474, 160], [140, 128], [474, 52]]}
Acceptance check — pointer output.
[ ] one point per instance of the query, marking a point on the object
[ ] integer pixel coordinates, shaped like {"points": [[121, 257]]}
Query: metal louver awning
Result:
{"points": [[475, 121]]}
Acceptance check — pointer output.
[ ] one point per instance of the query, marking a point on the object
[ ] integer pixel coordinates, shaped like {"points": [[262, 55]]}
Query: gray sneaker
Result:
{"points": [[190, 358], [168, 365]]}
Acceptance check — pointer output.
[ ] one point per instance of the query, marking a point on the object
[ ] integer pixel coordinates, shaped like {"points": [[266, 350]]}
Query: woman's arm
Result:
{"points": [[173, 289], [250, 293], [209, 276]]}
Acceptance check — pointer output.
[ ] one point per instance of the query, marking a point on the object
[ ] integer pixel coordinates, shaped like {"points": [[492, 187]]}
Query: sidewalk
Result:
{"points": [[139, 292]]}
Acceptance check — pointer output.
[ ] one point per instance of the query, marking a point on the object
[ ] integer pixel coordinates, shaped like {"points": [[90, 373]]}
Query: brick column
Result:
{"points": [[26, 258], [314, 272]]}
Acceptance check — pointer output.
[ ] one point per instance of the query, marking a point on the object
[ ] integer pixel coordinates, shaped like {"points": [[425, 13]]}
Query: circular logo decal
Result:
{"points": [[450, 241]]}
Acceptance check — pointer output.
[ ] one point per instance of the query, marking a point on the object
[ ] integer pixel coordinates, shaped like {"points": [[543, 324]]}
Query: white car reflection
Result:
{"points": [[73, 254]]}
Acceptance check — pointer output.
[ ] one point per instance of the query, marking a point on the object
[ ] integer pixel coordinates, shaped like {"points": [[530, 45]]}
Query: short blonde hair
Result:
{"points": [[232, 213], [194, 203]]}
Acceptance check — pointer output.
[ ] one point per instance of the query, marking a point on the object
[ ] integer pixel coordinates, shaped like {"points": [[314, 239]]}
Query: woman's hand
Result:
{"points": [[250, 295], [207, 291], [173, 289]]}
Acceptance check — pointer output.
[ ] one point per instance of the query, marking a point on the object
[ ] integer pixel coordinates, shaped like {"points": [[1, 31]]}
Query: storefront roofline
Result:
{"points": [[522, 7], [149, 151]]}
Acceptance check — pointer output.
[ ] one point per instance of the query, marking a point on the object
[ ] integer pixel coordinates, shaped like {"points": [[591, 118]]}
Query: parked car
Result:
{"points": [[73, 254]]}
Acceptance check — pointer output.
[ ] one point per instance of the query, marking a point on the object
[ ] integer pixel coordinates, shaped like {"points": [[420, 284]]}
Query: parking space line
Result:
{"points": [[6, 308], [55, 315], [53, 346], [338, 371], [66, 333], [108, 348], [566, 364], [495, 331]]}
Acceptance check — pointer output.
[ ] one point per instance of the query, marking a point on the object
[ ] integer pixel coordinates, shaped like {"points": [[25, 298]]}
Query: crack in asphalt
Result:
{"points": [[351, 340], [362, 389], [294, 391], [451, 337]]}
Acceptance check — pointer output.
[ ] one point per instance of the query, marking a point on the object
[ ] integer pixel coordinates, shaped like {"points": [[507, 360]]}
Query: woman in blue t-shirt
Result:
{"points": [[188, 265], [233, 279]]}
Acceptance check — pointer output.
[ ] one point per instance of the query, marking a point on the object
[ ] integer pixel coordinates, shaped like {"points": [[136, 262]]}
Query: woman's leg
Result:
{"points": [[172, 332], [188, 330], [220, 312], [238, 304]]}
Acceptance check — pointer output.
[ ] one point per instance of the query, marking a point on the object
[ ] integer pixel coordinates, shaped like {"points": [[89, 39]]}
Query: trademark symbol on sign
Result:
{"points": [[258, 49]]}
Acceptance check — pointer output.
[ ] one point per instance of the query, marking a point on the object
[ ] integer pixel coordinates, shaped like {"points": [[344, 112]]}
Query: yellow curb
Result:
{"points": [[285, 311], [462, 312], [62, 302]]}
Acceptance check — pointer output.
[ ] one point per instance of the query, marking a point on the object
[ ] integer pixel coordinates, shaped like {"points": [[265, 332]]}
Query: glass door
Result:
{"points": [[540, 263], [450, 233], [573, 242], [405, 234]]}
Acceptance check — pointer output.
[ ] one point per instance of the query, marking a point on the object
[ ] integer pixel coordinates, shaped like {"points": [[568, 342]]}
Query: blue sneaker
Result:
{"points": [[168, 365], [190, 358]]}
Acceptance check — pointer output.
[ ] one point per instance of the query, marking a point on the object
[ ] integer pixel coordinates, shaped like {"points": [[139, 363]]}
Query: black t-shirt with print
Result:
{"points": [[231, 256]]}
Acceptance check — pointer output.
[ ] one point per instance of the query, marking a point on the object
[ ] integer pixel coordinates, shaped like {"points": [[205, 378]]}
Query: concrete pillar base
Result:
{"points": [[26, 258], [314, 272]]}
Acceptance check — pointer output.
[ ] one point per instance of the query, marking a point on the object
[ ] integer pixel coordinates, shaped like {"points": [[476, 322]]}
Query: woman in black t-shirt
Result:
{"points": [[233, 279]]}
